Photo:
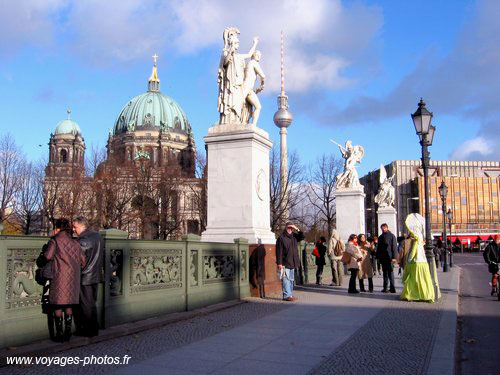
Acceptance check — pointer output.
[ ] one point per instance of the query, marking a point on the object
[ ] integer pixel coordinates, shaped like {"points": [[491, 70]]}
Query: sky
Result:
{"points": [[353, 69]]}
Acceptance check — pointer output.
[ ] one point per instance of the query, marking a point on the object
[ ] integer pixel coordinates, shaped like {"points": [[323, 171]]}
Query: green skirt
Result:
{"points": [[417, 283]]}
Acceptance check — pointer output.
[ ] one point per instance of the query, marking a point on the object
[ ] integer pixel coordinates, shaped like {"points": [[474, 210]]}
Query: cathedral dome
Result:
{"points": [[152, 111], [68, 126]]}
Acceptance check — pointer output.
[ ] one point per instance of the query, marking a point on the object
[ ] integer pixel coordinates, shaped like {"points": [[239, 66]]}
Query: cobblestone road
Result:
{"points": [[152, 342], [371, 349]]}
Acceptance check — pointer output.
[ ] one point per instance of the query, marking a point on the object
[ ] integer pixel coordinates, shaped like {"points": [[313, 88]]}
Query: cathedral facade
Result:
{"points": [[146, 183]]}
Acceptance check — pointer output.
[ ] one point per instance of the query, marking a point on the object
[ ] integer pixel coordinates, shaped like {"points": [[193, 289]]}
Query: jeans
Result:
{"points": [[337, 271], [352, 280], [288, 279], [388, 275]]}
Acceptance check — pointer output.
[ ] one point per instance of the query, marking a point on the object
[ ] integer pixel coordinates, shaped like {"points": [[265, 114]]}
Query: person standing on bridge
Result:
{"points": [[492, 258], [287, 259]]}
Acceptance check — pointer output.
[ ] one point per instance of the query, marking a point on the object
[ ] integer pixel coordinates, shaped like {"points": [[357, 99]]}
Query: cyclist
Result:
{"points": [[492, 257]]}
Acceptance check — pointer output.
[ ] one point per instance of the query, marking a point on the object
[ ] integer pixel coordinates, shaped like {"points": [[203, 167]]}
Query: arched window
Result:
{"points": [[64, 156]]}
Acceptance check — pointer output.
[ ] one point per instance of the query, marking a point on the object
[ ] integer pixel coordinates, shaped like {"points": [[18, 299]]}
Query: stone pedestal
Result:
{"points": [[263, 277], [350, 208], [387, 215], [238, 184]]}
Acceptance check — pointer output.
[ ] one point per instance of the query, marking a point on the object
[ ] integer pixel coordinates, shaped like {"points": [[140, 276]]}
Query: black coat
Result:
{"points": [[322, 252], [387, 247], [287, 252], [492, 253], [93, 247]]}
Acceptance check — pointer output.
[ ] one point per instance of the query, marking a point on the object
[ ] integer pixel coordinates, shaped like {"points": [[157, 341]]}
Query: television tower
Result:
{"points": [[283, 119]]}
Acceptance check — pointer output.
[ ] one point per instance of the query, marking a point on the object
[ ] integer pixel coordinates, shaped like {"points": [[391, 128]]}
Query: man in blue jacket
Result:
{"points": [[387, 253]]}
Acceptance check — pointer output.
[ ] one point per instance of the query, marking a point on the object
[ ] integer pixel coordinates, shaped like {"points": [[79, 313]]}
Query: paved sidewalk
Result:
{"points": [[326, 332]]}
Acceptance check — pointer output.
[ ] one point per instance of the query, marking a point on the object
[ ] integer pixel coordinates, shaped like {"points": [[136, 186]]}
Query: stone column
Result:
{"points": [[238, 184], [388, 216], [350, 206]]}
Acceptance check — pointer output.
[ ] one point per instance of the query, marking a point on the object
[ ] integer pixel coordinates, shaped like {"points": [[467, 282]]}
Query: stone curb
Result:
{"points": [[442, 361], [48, 347]]}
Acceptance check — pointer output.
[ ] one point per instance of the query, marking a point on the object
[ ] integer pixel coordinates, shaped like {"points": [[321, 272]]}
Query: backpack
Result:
{"points": [[338, 250]]}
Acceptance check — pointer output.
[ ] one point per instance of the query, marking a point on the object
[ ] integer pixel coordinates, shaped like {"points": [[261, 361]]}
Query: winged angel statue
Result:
{"points": [[352, 155], [385, 196]]}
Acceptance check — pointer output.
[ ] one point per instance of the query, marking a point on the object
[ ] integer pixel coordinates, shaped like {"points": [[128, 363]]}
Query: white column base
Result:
{"points": [[350, 207], [238, 184], [388, 216]]}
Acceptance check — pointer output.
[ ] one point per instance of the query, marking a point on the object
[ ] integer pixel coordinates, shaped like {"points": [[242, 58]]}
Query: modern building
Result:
{"points": [[146, 185], [473, 196]]}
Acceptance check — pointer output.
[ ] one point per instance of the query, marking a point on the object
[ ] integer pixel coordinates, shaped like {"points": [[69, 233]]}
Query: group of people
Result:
{"points": [[362, 258], [72, 269]]}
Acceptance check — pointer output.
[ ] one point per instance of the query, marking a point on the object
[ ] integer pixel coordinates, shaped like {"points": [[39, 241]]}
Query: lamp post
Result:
{"points": [[443, 192], [425, 131], [450, 218]]}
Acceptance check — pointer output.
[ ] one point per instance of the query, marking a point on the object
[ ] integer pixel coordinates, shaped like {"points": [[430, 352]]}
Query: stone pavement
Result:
{"points": [[326, 332]]}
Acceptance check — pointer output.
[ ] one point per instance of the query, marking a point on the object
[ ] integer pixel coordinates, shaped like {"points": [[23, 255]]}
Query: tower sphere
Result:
{"points": [[283, 118]]}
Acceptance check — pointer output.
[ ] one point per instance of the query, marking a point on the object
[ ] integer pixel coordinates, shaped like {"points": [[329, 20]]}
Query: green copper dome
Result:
{"points": [[68, 126], [152, 111]]}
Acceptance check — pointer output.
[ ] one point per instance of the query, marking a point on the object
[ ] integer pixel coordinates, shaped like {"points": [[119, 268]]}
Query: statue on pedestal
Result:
{"points": [[237, 101], [386, 192], [352, 155]]}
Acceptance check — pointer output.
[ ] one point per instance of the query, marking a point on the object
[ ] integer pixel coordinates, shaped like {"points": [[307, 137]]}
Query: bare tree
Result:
{"points": [[11, 163], [285, 200], [197, 194], [321, 187], [94, 157], [29, 198]]}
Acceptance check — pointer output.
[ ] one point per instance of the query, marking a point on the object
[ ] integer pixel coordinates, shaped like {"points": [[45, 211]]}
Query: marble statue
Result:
{"points": [[352, 155], [236, 80], [386, 192]]}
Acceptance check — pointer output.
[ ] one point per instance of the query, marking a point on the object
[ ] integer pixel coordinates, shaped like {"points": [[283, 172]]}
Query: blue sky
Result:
{"points": [[354, 69]]}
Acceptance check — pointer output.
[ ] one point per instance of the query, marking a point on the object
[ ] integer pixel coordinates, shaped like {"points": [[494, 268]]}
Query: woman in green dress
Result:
{"points": [[418, 285]]}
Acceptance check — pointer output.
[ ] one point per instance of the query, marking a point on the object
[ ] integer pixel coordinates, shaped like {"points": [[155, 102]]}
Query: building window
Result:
{"points": [[64, 156], [464, 200]]}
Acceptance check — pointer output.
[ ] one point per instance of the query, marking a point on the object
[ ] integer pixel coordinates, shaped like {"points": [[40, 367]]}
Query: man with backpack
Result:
{"points": [[335, 252]]}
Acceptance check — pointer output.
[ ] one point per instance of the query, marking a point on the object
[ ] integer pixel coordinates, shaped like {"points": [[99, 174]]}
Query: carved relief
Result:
{"points": [[218, 268], [193, 268], [116, 270], [155, 269], [243, 265], [21, 287]]}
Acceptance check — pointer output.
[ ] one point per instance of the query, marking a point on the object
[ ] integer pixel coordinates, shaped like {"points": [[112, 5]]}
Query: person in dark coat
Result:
{"points": [[492, 258], [387, 254], [287, 259], [67, 261], [93, 247], [320, 261]]}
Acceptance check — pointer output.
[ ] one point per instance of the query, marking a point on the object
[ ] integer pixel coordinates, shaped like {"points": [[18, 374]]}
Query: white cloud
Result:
{"points": [[27, 22], [475, 146], [322, 37]]}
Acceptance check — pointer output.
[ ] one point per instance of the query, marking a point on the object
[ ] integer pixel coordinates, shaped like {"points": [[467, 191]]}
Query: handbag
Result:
{"points": [[45, 270], [346, 258], [315, 252]]}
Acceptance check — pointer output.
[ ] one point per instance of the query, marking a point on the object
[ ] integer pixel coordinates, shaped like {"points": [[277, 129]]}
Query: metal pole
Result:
{"points": [[445, 240], [429, 253], [451, 246]]}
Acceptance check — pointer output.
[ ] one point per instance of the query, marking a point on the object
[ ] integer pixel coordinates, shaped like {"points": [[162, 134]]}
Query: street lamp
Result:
{"points": [[425, 131], [450, 218], [443, 192]]}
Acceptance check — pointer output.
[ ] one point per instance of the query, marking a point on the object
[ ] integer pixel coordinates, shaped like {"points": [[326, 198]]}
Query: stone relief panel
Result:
{"points": [[243, 265], [155, 269], [193, 268], [116, 270], [218, 268], [21, 288]]}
